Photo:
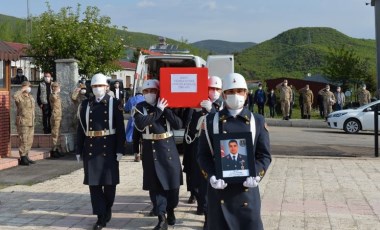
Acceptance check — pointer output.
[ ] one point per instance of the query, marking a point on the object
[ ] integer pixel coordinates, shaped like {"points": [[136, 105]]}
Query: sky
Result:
{"points": [[228, 20]]}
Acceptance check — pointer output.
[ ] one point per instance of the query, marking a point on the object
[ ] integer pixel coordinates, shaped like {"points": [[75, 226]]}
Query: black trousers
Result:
{"points": [[260, 109], [271, 111], [164, 200], [102, 198], [46, 114]]}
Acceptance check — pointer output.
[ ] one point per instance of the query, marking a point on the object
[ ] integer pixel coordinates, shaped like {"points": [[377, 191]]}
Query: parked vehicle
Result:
{"points": [[354, 120]]}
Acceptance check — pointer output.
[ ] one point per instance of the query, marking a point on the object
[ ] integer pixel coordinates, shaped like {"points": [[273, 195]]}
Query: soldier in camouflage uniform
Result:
{"points": [[285, 98], [364, 96], [308, 99], [25, 104], [328, 100], [56, 117]]}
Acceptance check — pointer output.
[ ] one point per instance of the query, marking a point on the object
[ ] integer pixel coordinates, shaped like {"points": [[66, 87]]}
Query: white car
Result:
{"points": [[353, 120]]}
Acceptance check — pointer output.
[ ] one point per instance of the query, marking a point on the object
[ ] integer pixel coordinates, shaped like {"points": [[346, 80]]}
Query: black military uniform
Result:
{"points": [[236, 206], [98, 145], [195, 181], [162, 173]]}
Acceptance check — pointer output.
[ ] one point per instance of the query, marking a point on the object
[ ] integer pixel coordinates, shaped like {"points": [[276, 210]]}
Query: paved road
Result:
{"points": [[320, 142], [298, 192]]}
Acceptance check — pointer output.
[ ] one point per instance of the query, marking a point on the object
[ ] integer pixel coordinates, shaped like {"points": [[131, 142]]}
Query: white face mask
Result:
{"points": [[235, 101], [47, 79], [213, 95], [150, 98], [364, 87], [328, 89], [83, 91], [28, 90], [99, 91]]}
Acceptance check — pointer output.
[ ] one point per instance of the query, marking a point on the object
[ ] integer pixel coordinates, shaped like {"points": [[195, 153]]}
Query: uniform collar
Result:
{"points": [[245, 114]]}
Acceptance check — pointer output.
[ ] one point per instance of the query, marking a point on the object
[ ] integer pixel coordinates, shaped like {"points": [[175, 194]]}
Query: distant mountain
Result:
{"points": [[299, 51], [293, 53], [14, 30], [222, 47]]}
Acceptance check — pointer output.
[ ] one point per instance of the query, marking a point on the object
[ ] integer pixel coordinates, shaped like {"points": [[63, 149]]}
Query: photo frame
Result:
{"points": [[234, 157]]}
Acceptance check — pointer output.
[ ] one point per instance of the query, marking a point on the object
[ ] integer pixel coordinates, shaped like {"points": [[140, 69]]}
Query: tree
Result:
{"points": [[344, 67], [92, 40]]}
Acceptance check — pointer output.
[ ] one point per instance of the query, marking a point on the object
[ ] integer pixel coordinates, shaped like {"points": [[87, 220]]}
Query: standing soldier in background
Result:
{"points": [[364, 96], [285, 98], [340, 99], [251, 100], [100, 143], [55, 120], [292, 101], [328, 100], [43, 94], [272, 101], [25, 121], [162, 173], [79, 93], [308, 98], [260, 99]]}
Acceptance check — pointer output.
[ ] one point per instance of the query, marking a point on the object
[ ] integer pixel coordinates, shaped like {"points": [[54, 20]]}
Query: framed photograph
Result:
{"points": [[234, 157]]}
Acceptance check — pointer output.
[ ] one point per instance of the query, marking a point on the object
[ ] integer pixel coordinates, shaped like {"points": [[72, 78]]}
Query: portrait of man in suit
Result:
{"points": [[236, 159]]}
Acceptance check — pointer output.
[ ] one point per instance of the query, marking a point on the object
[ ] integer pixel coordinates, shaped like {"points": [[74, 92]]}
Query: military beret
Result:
{"points": [[25, 83]]}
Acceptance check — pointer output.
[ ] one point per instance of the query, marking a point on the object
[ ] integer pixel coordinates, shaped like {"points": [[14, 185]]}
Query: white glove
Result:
{"points": [[78, 158], [217, 184], [119, 156], [162, 103], [252, 182], [206, 104]]}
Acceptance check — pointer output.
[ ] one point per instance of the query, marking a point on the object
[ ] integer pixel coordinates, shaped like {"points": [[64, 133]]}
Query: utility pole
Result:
{"points": [[376, 4], [28, 21]]}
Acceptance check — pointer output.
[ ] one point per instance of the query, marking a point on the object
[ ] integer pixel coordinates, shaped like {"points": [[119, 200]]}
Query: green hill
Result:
{"points": [[299, 51], [223, 47], [293, 53], [12, 29]]}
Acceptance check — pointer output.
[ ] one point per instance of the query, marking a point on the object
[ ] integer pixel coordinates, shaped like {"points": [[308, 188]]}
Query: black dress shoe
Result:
{"points": [[54, 154], [23, 161], [98, 226], [162, 223], [30, 161], [60, 154], [171, 217], [191, 199]]}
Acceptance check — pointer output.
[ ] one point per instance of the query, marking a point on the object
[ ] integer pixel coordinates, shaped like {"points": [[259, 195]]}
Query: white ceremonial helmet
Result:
{"points": [[234, 81], [215, 82], [99, 79], [151, 84]]}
